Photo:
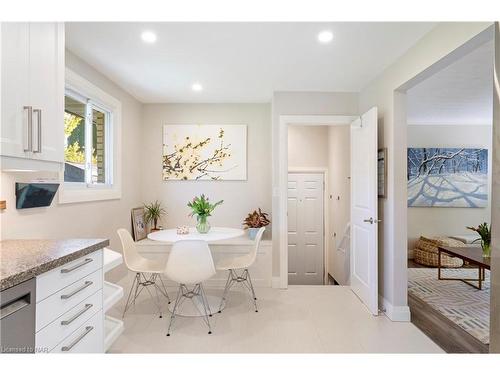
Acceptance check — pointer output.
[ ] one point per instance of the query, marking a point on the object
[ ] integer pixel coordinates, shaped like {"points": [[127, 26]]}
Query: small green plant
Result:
{"points": [[256, 220], [153, 212], [201, 206], [484, 231]]}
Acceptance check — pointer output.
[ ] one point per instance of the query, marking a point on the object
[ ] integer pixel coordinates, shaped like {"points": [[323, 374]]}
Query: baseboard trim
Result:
{"points": [[394, 313]]}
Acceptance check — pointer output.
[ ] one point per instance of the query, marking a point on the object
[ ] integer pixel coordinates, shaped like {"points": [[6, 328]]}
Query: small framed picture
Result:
{"points": [[382, 172], [138, 224]]}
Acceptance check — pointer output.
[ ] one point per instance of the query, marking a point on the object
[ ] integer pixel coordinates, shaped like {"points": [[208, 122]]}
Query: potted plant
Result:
{"points": [[202, 208], [152, 213], [254, 221], [484, 232]]}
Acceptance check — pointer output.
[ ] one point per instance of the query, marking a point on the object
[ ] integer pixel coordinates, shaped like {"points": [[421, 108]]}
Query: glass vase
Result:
{"points": [[203, 226], [486, 249]]}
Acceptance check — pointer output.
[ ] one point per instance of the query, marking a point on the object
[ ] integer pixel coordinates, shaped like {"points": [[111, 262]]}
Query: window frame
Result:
{"points": [[86, 92]]}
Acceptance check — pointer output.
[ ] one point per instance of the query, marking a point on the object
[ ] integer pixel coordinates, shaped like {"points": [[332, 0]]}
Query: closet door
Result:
{"points": [[305, 228]]}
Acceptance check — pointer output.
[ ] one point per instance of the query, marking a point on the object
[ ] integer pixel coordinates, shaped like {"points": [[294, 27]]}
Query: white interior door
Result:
{"points": [[305, 228], [364, 249]]}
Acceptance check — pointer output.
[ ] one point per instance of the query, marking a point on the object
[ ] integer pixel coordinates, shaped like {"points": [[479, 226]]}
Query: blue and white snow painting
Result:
{"points": [[447, 177]]}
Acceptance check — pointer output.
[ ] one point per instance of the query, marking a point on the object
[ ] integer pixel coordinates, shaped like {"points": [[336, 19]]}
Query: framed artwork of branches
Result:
{"points": [[204, 152], [447, 177]]}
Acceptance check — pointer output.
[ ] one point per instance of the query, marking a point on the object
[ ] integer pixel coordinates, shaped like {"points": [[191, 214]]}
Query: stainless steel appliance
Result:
{"points": [[17, 318]]}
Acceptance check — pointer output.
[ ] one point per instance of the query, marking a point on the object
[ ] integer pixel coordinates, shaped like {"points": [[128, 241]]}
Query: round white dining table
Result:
{"points": [[215, 234]]}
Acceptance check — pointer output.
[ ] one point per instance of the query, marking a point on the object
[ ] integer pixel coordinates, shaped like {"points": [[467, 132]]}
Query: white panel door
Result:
{"points": [[15, 89], [305, 228], [364, 249], [47, 89]]}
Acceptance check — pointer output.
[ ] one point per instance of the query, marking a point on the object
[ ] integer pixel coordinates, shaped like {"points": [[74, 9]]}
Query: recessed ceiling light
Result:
{"points": [[197, 86], [148, 36], [325, 36]]}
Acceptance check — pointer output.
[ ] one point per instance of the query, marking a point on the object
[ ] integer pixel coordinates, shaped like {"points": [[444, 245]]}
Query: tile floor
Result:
{"points": [[302, 319]]}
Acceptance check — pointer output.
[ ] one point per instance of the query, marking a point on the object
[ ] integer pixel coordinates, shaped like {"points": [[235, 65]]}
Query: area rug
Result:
{"points": [[464, 305]]}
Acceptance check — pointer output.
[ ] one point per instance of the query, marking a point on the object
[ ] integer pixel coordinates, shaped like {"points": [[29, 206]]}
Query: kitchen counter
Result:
{"points": [[21, 260]]}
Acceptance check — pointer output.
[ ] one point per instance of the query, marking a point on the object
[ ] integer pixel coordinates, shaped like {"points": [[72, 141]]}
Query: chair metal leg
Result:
{"points": [[204, 296], [164, 291], [147, 282], [129, 295], [226, 290], [141, 282], [185, 293], [206, 307], [249, 280], [137, 291], [172, 317], [244, 279], [155, 276]]}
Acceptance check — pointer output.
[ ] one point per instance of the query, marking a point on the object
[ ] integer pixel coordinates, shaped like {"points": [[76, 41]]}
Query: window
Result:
{"points": [[87, 131], [92, 169]]}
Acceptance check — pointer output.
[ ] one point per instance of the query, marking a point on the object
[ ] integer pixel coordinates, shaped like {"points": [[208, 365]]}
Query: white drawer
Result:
{"points": [[50, 282], [88, 338], [60, 302], [59, 329]]}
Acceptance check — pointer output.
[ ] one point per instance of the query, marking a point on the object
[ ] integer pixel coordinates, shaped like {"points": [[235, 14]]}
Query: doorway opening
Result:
{"points": [[318, 204], [446, 114], [363, 228]]}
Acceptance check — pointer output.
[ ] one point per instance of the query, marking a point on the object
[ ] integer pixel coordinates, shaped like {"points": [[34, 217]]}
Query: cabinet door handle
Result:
{"points": [[29, 127], [69, 295], [87, 307], [39, 130], [78, 339], [68, 270]]}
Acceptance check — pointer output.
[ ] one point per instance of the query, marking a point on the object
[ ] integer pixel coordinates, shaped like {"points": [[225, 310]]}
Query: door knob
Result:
{"points": [[371, 220]]}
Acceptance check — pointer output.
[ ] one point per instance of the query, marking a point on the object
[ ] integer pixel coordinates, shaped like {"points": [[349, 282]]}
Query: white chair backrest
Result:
{"points": [[190, 262], [258, 238], [130, 254]]}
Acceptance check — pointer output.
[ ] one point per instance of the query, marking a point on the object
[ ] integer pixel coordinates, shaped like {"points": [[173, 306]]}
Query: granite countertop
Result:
{"points": [[21, 260]]}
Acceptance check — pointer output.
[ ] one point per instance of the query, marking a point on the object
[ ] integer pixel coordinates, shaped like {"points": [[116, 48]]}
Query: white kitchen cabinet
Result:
{"points": [[69, 307], [32, 82], [15, 89]]}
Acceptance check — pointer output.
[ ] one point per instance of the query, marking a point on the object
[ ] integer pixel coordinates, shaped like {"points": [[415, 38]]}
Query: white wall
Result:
{"points": [[94, 219], [429, 221], [301, 103], [339, 186], [240, 197], [434, 46], [307, 146]]}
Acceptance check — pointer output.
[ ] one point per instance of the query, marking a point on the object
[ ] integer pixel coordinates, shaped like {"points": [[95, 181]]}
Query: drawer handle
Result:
{"points": [[68, 270], [77, 340], [86, 285], [87, 307], [30, 128], [14, 306]]}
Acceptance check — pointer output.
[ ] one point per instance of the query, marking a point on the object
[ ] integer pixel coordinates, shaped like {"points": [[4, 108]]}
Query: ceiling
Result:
{"points": [[239, 62], [460, 94]]}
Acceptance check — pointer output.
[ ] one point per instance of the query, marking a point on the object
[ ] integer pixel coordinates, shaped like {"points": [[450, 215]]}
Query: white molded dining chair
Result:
{"points": [[240, 264], [147, 272], [190, 263]]}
